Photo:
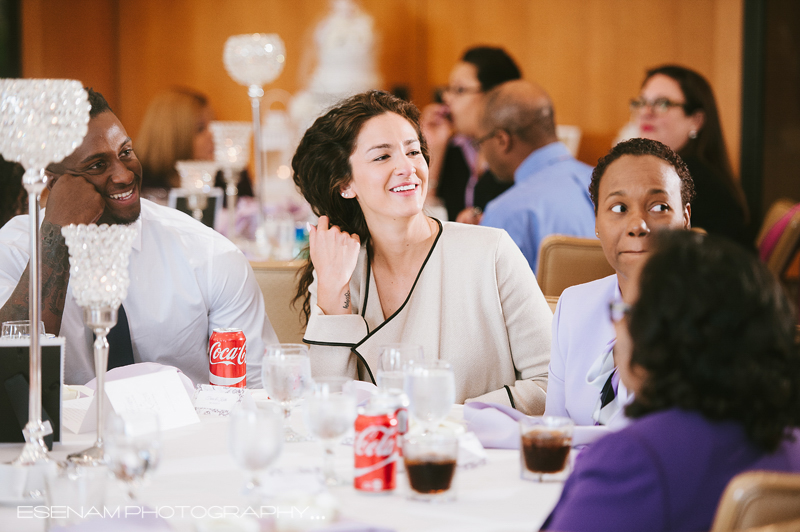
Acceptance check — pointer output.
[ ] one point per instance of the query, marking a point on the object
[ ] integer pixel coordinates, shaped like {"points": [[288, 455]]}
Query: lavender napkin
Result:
{"points": [[497, 426]]}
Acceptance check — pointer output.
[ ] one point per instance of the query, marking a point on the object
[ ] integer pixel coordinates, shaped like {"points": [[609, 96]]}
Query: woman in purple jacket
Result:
{"points": [[708, 348]]}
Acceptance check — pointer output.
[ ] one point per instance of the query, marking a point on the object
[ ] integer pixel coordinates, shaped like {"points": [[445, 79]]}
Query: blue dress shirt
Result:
{"points": [[550, 196]]}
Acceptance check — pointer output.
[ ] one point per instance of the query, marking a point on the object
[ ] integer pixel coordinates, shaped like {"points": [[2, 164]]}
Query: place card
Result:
{"points": [[161, 392], [218, 400]]}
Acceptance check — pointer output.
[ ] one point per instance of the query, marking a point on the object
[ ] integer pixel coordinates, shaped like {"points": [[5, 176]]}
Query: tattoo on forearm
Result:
{"points": [[55, 255], [346, 300], [55, 277]]}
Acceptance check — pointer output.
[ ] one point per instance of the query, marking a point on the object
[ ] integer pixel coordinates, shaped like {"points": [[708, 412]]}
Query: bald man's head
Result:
{"points": [[522, 109]]}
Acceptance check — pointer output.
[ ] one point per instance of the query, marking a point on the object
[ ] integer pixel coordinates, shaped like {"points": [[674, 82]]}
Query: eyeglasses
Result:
{"points": [[659, 105], [484, 138], [460, 91], [618, 309]]}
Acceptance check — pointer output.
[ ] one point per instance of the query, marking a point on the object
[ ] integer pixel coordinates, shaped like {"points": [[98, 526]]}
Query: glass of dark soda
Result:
{"points": [[544, 448], [430, 460]]}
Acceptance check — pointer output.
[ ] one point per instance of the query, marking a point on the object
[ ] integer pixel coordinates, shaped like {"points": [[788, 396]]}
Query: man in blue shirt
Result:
{"points": [[551, 189]]}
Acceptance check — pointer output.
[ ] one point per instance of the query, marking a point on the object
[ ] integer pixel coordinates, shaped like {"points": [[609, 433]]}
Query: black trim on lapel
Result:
{"points": [[408, 297]]}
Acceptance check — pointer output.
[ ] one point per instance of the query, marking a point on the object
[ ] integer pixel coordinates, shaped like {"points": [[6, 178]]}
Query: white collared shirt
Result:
{"points": [[186, 280]]}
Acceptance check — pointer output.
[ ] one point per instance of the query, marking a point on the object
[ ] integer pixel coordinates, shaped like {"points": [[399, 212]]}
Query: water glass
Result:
{"points": [[431, 391], [18, 329], [430, 460], [75, 493], [392, 361], [132, 447], [544, 448], [255, 440], [286, 376], [330, 412]]}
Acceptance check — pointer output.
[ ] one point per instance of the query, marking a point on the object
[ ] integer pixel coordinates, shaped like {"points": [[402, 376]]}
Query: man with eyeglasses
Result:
{"points": [[551, 188]]}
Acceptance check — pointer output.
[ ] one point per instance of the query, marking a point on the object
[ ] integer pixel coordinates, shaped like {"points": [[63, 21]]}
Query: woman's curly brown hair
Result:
{"points": [[322, 169], [715, 333]]}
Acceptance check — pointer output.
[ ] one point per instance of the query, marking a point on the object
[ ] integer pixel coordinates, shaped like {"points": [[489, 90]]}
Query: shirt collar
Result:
{"points": [[540, 159]]}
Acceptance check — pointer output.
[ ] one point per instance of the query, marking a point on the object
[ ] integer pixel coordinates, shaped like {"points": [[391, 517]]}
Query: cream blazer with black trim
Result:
{"points": [[475, 304]]}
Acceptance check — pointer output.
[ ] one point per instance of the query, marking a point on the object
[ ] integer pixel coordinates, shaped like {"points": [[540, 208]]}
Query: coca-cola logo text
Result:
{"points": [[227, 355], [375, 440]]}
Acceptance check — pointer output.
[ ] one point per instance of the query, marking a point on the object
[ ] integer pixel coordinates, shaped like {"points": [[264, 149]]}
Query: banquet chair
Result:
{"points": [[758, 498], [785, 246], [775, 213], [565, 261], [278, 283]]}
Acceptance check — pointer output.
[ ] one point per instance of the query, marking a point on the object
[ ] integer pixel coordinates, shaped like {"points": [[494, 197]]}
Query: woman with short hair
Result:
{"points": [[708, 349]]}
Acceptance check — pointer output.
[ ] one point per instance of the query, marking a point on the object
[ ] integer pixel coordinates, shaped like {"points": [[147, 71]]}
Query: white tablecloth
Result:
{"points": [[197, 473]]}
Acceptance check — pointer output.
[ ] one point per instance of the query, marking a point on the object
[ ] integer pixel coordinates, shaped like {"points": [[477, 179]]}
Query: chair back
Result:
{"points": [[785, 246], [278, 283], [758, 498], [775, 213], [565, 261]]}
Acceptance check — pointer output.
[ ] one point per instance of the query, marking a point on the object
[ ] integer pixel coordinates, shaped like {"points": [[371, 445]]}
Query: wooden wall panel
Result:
{"points": [[72, 39], [589, 54]]}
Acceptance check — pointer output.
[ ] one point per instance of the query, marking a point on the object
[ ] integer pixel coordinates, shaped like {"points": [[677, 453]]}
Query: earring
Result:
{"points": [[345, 195], [596, 233], [693, 134]]}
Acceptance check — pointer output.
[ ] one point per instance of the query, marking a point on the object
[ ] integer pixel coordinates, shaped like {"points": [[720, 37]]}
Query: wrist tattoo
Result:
{"points": [[346, 300]]}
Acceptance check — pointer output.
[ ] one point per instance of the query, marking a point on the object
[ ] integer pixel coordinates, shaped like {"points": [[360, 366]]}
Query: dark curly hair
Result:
{"points": [[98, 103], [643, 147], [321, 165], [715, 334]]}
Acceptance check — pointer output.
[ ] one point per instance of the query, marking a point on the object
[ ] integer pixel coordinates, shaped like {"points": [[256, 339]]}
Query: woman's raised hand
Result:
{"points": [[334, 254]]}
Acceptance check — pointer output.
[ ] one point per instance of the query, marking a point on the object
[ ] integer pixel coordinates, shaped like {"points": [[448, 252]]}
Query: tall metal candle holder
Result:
{"points": [[43, 121], [98, 273], [254, 60], [231, 153]]}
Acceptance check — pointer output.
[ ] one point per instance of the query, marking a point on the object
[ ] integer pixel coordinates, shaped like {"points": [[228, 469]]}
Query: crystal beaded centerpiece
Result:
{"points": [[196, 176], [254, 59], [231, 143], [43, 120], [98, 275], [98, 263]]}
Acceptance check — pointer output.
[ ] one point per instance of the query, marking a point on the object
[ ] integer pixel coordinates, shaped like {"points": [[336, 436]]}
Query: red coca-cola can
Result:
{"points": [[375, 449], [227, 351]]}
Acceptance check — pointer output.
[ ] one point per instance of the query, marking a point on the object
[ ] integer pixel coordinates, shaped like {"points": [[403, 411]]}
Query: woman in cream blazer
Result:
{"points": [[382, 272]]}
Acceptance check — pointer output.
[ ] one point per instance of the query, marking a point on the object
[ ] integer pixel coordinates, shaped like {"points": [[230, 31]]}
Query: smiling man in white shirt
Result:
{"points": [[186, 279]]}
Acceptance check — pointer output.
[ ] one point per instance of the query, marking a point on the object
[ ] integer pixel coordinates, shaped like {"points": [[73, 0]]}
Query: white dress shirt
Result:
{"points": [[186, 281]]}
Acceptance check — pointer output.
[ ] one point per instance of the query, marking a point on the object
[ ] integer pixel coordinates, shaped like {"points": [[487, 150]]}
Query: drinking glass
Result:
{"points": [[430, 460], [392, 361], [256, 440], [18, 329], [79, 489], [286, 375], [132, 447], [544, 449], [330, 412], [431, 391]]}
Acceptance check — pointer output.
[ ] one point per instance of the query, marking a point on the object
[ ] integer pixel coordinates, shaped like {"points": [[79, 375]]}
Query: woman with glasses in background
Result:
{"points": [[676, 106], [640, 187], [459, 177]]}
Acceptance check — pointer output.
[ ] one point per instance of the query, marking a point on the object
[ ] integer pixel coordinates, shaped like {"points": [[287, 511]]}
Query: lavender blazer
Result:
{"points": [[664, 472], [582, 332]]}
